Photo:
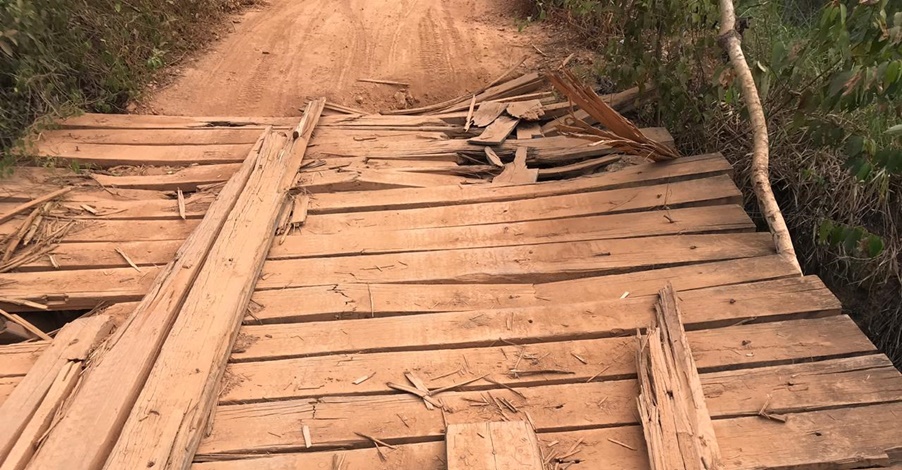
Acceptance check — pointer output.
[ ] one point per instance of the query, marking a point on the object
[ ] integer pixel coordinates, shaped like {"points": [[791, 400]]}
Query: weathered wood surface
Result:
{"points": [[186, 179], [809, 439], [493, 445], [271, 426], [17, 359], [709, 307], [605, 359], [371, 300], [527, 263]]}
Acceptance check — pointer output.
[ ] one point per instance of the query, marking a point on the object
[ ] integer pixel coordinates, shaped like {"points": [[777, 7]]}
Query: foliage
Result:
{"points": [[830, 78], [60, 55]]}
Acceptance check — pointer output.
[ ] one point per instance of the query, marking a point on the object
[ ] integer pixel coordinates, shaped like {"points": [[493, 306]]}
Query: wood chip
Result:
{"points": [[493, 157], [338, 461], [127, 259], [621, 444], [181, 198], [53, 262], [307, 441], [89, 209], [470, 114], [24, 303], [363, 379], [625, 295], [578, 358], [383, 82]]}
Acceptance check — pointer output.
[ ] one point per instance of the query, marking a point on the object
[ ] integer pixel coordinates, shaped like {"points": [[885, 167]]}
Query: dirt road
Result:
{"points": [[282, 52]]}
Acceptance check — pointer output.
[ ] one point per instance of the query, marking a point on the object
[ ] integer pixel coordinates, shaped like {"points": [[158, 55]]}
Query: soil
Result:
{"points": [[281, 53]]}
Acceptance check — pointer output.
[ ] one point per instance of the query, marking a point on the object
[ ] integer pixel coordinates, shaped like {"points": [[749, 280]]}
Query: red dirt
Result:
{"points": [[281, 53]]}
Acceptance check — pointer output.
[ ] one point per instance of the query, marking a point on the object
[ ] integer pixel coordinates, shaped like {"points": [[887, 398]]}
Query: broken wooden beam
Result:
{"points": [[95, 413], [170, 417], [678, 429]]}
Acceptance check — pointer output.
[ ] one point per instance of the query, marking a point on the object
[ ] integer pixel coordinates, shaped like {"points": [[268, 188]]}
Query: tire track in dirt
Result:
{"points": [[284, 52]]}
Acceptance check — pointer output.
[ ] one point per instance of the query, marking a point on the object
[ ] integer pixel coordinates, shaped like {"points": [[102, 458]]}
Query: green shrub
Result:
{"points": [[62, 55], [830, 78]]}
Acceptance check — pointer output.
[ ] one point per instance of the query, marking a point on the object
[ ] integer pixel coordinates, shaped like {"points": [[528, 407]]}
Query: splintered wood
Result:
{"points": [[678, 429], [509, 445]]}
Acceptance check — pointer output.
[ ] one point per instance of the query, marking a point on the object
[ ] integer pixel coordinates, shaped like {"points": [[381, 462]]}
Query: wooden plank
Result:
{"points": [[497, 132], [106, 156], [79, 289], [527, 263], [577, 169], [148, 121], [705, 308], [108, 390], [517, 172], [73, 343], [652, 173], [129, 204], [672, 407], [493, 445], [487, 113], [272, 426], [716, 190], [690, 220], [43, 416], [605, 359], [347, 301], [818, 439], [371, 180], [186, 179], [183, 137], [103, 255], [172, 412], [91, 230]]}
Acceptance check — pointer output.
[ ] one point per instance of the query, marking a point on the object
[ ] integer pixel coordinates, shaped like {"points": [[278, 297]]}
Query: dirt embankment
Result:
{"points": [[283, 52]]}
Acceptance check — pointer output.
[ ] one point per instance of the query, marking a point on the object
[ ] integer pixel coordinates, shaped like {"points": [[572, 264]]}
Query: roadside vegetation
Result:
{"points": [[830, 77], [63, 56]]}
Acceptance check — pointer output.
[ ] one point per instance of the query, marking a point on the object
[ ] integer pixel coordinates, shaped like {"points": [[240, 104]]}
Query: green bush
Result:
{"points": [[57, 56], [830, 78]]}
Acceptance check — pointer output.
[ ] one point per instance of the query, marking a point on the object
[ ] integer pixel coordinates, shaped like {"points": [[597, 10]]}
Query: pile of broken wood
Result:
{"points": [[511, 132]]}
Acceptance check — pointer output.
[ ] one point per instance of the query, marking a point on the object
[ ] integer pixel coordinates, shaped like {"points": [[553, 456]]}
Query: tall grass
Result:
{"points": [[59, 56], [830, 74]]}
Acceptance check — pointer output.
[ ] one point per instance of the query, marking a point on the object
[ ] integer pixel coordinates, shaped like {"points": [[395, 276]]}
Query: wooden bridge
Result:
{"points": [[396, 295]]}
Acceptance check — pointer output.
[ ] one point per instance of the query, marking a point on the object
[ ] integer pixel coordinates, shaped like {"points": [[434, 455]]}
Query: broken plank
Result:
{"points": [[186, 179], [709, 307], [299, 209], [17, 359], [74, 343], [606, 359], [172, 412], [493, 445], [706, 219], [108, 390], [488, 112], [497, 132], [517, 172], [315, 182], [686, 168], [577, 169], [672, 407], [181, 137], [526, 110], [716, 190], [77, 289]]}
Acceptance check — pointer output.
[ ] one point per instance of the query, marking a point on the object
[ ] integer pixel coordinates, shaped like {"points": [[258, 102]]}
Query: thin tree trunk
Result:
{"points": [[731, 41]]}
